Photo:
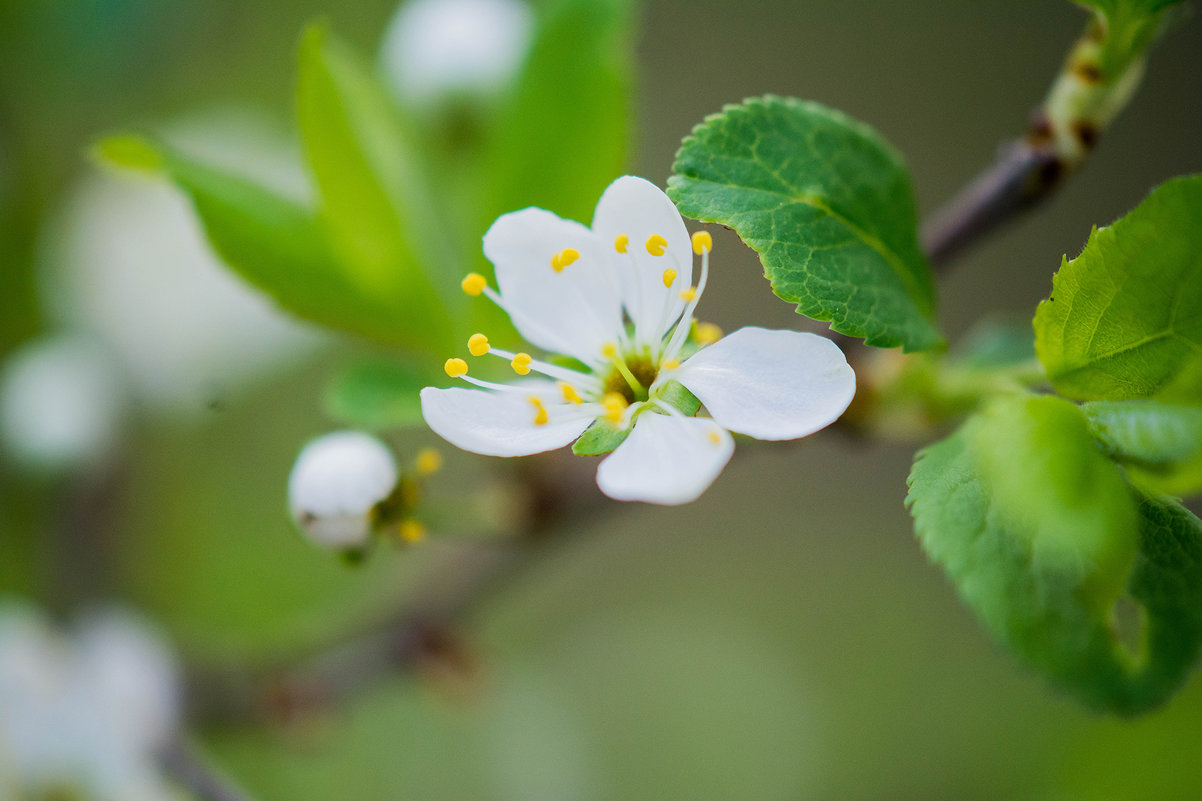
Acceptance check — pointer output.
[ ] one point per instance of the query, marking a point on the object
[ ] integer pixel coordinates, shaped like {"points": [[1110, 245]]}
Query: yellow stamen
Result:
{"points": [[429, 462], [609, 350], [557, 262], [670, 364], [563, 258], [714, 436], [540, 411], [656, 245], [455, 367], [702, 242], [521, 363], [621, 242], [570, 394], [614, 405], [688, 294], [411, 531], [708, 333], [473, 284], [669, 277], [477, 345]]}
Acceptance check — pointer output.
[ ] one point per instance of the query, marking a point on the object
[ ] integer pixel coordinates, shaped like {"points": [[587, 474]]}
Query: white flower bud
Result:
{"points": [[60, 403], [436, 48], [336, 482]]}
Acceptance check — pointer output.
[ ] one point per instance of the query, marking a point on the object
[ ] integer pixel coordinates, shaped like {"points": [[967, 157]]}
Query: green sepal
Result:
{"points": [[676, 395], [599, 438]]}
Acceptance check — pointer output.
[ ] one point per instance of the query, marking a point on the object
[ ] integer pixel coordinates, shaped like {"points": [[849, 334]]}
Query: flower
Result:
{"points": [[83, 717], [336, 485], [618, 300]]}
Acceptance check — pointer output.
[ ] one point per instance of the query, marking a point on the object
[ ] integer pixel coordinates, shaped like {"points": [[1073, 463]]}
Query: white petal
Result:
{"points": [[667, 459], [498, 424], [771, 384], [575, 311], [336, 481], [636, 207]]}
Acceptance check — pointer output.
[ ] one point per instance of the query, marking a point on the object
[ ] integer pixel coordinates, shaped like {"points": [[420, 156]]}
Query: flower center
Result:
{"points": [[644, 371]]}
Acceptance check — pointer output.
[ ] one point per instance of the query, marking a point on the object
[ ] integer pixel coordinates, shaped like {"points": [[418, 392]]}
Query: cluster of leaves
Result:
{"points": [[381, 251], [1048, 514]]}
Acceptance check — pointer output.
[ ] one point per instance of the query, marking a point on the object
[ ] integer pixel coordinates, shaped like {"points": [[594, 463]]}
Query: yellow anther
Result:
{"points": [[688, 294], [708, 333], [570, 394], [557, 262], [521, 363], [477, 344], [656, 245], [621, 242], [714, 436], [411, 531], [540, 411], [473, 284], [614, 405], [669, 277], [609, 350], [670, 364], [563, 258], [455, 367], [429, 462], [702, 242]]}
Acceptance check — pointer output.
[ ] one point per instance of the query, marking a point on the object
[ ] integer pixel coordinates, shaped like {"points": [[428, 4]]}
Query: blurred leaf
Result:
{"points": [[1040, 534], [827, 204], [372, 195], [377, 395], [993, 345], [1131, 25], [565, 131], [274, 243], [1160, 443], [1125, 317]]}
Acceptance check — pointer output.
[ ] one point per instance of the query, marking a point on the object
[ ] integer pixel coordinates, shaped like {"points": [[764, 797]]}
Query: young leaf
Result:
{"points": [[1125, 317], [827, 204], [1159, 443], [372, 194], [564, 133], [1043, 538], [377, 395]]}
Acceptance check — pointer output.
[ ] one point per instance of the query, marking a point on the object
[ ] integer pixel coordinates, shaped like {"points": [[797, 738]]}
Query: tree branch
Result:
{"points": [[183, 764]]}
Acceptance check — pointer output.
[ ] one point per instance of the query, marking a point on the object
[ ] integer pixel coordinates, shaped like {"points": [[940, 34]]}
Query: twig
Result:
{"points": [[182, 763]]}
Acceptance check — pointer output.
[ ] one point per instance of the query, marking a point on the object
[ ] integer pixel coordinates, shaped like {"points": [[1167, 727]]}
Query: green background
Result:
{"points": [[783, 637]]}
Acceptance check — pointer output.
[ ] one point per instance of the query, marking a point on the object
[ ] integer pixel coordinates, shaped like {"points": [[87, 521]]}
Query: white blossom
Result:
{"points": [[84, 715], [434, 49], [336, 484], [619, 298]]}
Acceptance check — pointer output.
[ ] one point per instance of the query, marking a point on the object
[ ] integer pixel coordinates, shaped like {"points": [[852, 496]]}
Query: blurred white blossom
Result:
{"points": [[126, 262], [434, 49], [61, 401], [83, 716], [336, 484]]}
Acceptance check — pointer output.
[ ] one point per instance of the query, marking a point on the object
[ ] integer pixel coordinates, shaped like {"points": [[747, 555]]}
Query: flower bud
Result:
{"points": [[436, 49], [336, 484]]}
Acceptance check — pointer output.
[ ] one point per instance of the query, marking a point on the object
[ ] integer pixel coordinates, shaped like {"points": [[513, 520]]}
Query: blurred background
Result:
{"points": [[781, 638]]}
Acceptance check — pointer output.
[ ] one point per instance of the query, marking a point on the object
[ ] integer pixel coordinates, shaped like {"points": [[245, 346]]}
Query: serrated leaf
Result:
{"points": [[377, 395], [564, 133], [599, 438], [1159, 443], [372, 194], [275, 244], [827, 204], [1040, 535], [1124, 319]]}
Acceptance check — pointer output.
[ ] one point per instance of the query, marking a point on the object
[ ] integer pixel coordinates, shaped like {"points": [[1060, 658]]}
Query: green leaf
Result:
{"points": [[601, 437], [1124, 319], [1159, 443], [563, 135], [996, 345], [1040, 533], [678, 396], [274, 243], [377, 395], [827, 204], [373, 196], [1130, 28]]}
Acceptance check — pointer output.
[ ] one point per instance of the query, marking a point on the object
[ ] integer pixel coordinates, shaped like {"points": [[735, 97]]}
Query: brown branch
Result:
{"points": [[192, 772]]}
